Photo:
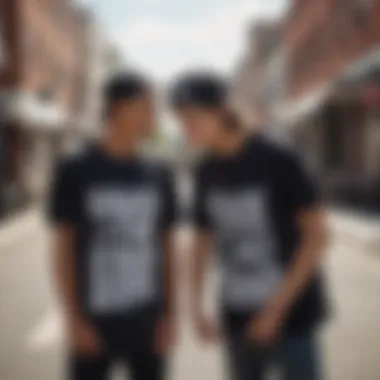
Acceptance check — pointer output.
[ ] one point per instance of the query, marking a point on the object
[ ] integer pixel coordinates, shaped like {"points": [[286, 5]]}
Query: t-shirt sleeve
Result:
{"points": [[301, 189], [64, 202], [170, 200], [199, 213]]}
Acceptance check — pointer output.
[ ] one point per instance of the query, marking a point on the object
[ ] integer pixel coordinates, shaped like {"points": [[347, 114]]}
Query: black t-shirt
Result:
{"points": [[250, 202], [119, 209]]}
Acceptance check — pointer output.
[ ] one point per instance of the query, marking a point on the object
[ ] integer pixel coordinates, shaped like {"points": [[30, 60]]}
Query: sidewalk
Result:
{"points": [[349, 228], [361, 231], [20, 226]]}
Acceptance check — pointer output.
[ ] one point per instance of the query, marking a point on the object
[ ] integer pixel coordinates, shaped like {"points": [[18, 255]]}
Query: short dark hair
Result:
{"points": [[124, 86], [201, 89]]}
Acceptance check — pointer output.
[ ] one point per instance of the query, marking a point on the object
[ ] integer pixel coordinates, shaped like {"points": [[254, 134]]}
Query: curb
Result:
{"points": [[361, 231]]}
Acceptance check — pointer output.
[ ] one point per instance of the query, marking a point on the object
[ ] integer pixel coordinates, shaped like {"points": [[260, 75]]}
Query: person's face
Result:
{"points": [[135, 119], [202, 127]]}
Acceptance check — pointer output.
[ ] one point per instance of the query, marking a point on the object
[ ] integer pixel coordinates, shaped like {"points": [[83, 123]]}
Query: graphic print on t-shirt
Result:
{"points": [[122, 253], [245, 239]]}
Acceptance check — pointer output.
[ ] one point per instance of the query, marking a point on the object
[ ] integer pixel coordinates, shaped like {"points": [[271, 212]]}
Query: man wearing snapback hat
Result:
{"points": [[256, 202], [113, 215]]}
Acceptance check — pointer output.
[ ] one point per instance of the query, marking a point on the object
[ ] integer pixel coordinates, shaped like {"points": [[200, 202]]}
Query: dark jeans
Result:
{"points": [[141, 366], [129, 340], [295, 358]]}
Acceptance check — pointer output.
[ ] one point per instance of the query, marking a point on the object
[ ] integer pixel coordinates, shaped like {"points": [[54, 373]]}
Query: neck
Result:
{"points": [[118, 146], [230, 142]]}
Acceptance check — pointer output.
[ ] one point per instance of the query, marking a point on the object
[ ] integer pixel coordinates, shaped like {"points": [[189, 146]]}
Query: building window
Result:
{"points": [[365, 4], [363, 10], [341, 24], [34, 47], [47, 94], [3, 45]]}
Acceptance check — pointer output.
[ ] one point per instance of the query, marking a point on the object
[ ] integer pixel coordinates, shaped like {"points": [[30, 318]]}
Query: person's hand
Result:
{"points": [[166, 335], [83, 337], [207, 330], [266, 328]]}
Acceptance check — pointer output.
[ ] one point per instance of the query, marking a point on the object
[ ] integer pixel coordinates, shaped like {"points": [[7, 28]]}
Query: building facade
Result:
{"points": [[260, 76], [334, 33], [313, 76], [40, 86], [103, 60], [332, 101]]}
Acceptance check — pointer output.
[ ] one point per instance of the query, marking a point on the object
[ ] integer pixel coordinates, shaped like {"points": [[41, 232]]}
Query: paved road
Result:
{"points": [[30, 335]]}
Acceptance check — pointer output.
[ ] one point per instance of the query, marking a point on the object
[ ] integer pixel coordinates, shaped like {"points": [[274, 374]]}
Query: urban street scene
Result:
{"points": [[304, 73]]}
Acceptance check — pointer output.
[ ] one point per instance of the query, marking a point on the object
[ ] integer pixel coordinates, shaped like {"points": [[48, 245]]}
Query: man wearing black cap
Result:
{"points": [[113, 214], [255, 201]]}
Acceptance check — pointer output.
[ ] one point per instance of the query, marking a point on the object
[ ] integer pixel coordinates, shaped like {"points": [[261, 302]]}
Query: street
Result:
{"points": [[31, 334]]}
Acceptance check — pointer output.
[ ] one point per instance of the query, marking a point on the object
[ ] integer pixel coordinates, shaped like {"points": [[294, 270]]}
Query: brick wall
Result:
{"points": [[324, 36], [251, 79], [9, 73], [81, 65], [45, 39]]}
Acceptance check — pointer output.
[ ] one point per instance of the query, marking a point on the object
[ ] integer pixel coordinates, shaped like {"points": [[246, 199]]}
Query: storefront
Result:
{"points": [[337, 131], [31, 134], [2, 163], [300, 122], [351, 138]]}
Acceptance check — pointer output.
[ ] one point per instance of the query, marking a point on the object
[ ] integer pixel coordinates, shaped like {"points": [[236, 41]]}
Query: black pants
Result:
{"points": [[296, 357], [140, 366], [129, 340]]}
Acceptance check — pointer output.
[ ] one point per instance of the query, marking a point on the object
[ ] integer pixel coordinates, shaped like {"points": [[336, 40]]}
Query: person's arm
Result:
{"points": [[64, 209], [199, 258], [200, 252], [169, 274], [307, 258], [166, 332], [64, 270], [168, 228]]}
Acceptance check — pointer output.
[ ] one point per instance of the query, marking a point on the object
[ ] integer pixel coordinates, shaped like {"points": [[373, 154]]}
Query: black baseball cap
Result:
{"points": [[125, 86], [201, 89]]}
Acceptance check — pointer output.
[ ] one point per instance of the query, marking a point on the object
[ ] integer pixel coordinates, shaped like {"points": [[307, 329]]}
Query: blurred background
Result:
{"points": [[306, 71]]}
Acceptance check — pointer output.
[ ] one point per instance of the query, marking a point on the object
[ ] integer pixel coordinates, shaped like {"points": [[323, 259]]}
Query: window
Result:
{"points": [[333, 130], [362, 12], [340, 24], [3, 47], [365, 4], [47, 93], [58, 74], [311, 54]]}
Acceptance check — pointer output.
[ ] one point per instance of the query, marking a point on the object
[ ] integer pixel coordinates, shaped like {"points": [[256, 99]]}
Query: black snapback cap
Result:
{"points": [[125, 86], [199, 89]]}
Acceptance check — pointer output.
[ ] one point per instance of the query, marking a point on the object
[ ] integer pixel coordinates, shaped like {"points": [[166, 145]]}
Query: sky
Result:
{"points": [[164, 37]]}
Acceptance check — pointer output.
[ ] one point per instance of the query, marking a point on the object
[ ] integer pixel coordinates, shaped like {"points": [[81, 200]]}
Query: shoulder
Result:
{"points": [[70, 164], [292, 172], [279, 154]]}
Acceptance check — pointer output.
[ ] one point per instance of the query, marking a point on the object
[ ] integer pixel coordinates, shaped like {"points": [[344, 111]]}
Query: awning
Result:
{"points": [[296, 111], [363, 66], [291, 113], [32, 112], [358, 77]]}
